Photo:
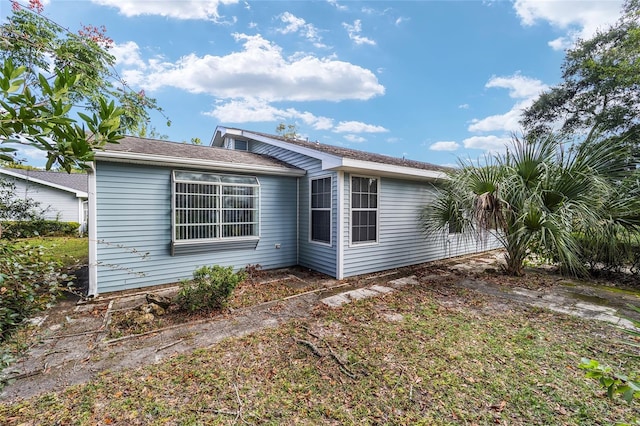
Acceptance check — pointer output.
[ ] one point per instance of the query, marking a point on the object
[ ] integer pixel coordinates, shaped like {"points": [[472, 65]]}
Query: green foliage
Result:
{"points": [[614, 383], [537, 197], [289, 131], [210, 288], [45, 72], [15, 208], [600, 82], [28, 283], [38, 228], [44, 123]]}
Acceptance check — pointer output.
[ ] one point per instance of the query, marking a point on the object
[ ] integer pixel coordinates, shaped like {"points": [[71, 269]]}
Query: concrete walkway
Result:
{"points": [[73, 345]]}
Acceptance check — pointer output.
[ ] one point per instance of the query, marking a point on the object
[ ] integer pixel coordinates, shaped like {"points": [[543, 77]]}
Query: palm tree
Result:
{"points": [[537, 197]]}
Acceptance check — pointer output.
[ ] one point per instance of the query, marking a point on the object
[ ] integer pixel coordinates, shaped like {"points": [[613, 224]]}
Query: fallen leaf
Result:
{"points": [[499, 407]]}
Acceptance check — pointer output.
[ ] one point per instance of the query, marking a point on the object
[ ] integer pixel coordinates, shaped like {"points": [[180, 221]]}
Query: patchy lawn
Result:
{"points": [[70, 251], [423, 355]]}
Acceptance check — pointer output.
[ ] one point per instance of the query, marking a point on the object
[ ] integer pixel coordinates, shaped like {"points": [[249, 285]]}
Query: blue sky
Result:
{"points": [[427, 80]]}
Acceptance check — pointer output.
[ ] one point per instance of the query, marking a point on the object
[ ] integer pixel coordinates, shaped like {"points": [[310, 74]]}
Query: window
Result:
{"points": [[214, 207], [321, 210], [364, 210], [240, 145]]}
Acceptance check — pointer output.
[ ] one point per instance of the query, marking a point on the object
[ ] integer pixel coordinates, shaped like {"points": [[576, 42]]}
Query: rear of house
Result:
{"points": [[163, 209]]}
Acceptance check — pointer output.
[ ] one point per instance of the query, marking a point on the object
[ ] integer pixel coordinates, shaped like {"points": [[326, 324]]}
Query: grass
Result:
{"points": [[69, 251], [412, 357]]}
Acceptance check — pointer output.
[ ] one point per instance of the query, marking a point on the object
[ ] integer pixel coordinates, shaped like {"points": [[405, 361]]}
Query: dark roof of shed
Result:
{"points": [[190, 151], [75, 181], [356, 154]]}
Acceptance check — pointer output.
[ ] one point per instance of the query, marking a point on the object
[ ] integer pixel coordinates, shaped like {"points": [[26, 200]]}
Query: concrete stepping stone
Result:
{"points": [[404, 281], [357, 294]]}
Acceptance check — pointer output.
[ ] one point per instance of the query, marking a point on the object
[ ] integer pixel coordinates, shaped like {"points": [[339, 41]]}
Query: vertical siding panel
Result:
{"points": [[134, 228], [320, 257]]}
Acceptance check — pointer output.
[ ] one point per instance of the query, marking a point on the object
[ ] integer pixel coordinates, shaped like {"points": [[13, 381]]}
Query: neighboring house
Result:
{"points": [[62, 195], [160, 209]]}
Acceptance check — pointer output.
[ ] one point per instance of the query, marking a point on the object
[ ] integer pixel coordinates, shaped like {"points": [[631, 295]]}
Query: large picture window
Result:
{"points": [[364, 210], [214, 207], [321, 210]]}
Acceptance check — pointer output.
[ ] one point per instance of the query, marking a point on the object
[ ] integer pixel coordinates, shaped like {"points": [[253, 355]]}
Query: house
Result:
{"points": [[62, 195], [158, 210]]}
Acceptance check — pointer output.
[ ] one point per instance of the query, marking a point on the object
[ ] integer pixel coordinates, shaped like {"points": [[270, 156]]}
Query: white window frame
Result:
{"points": [[329, 209], [351, 210], [219, 207]]}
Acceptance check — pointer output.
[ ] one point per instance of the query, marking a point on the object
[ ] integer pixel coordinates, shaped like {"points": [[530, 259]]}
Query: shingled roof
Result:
{"points": [[356, 154], [76, 181], [154, 147]]}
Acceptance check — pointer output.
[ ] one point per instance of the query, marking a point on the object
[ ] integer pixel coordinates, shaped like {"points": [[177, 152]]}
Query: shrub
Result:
{"points": [[28, 283], [210, 288], [34, 228]]}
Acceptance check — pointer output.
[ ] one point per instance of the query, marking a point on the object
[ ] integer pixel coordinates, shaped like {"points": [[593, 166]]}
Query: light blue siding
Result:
{"points": [[400, 239], [319, 257], [59, 205], [134, 228]]}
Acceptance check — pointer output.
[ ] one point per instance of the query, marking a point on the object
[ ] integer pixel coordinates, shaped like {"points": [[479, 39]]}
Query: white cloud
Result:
{"points": [[520, 87], [294, 24], [509, 121], [355, 138], [337, 6], [444, 146], [463, 106], [581, 19], [487, 143], [256, 110], [261, 71], [354, 33], [185, 9], [358, 127], [525, 89], [32, 156], [401, 20], [299, 25], [127, 54]]}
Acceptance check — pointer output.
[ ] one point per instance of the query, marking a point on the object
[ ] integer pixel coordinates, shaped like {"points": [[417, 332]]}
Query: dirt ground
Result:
{"points": [[73, 341]]}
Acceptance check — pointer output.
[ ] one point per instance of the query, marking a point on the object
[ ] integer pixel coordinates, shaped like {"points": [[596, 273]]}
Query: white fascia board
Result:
{"points": [[79, 194], [161, 160], [370, 167], [220, 133]]}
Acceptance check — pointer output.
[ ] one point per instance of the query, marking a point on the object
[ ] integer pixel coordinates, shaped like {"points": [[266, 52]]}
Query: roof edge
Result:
{"points": [[78, 193], [332, 161], [161, 160]]}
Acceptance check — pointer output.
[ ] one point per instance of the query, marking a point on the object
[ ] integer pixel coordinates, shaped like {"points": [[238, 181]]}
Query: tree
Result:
{"points": [[538, 197], [289, 131], [598, 95], [48, 73]]}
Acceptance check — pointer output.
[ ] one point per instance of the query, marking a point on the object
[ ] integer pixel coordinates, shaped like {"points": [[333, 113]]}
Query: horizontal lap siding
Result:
{"points": [[319, 257], [134, 229], [60, 205], [401, 242]]}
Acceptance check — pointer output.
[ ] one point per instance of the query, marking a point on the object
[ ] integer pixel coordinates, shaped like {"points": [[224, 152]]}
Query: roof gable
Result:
{"points": [[340, 158]]}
